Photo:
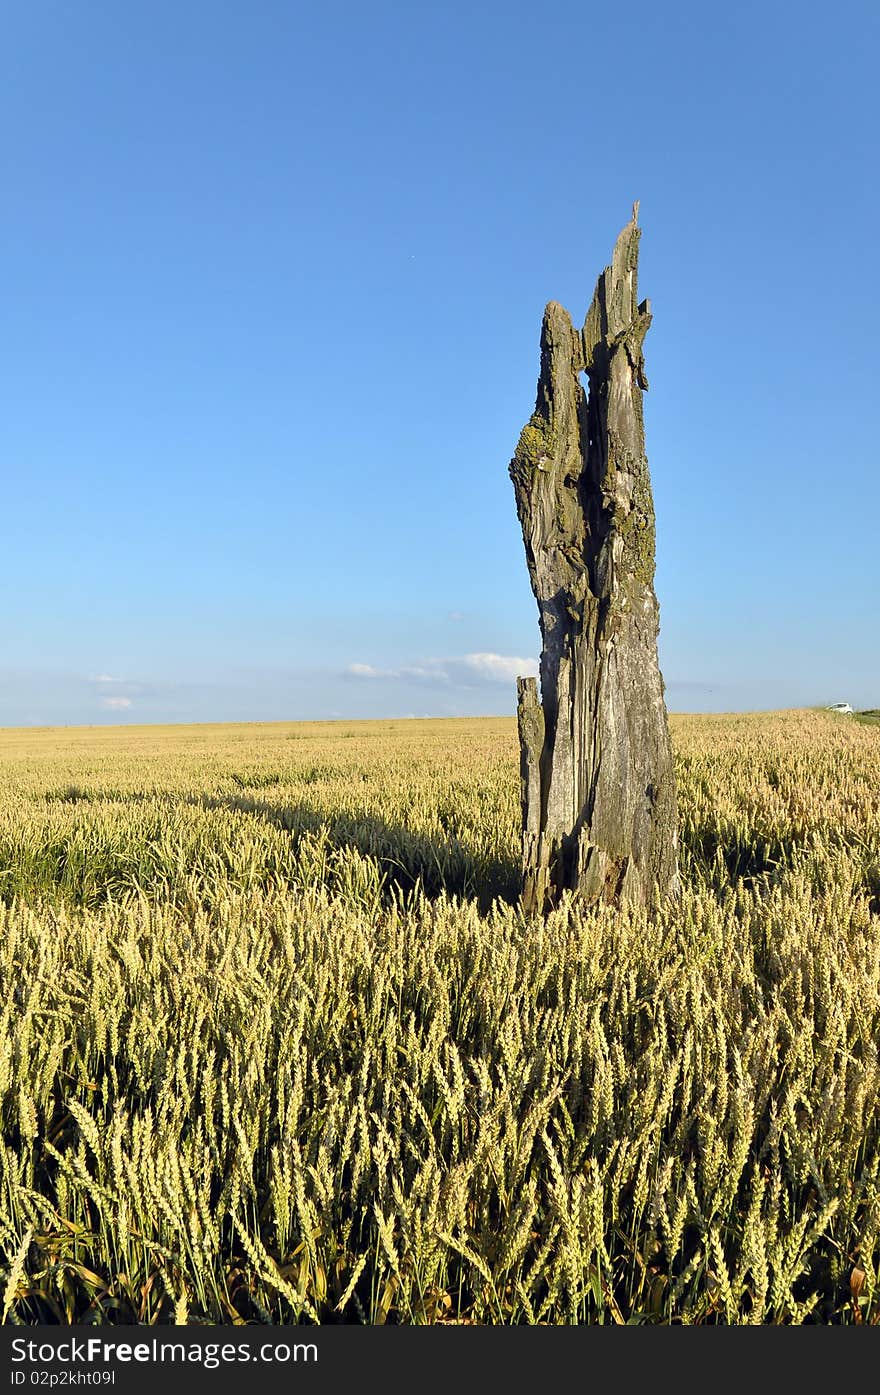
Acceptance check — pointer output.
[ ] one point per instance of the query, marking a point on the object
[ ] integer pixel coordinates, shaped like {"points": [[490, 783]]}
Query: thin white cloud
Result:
{"points": [[431, 672], [104, 678], [116, 703], [368, 671], [499, 668], [425, 673], [464, 671]]}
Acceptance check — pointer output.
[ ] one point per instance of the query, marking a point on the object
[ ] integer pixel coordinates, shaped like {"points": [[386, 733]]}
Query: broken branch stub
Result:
{"points": [[598, 787]]}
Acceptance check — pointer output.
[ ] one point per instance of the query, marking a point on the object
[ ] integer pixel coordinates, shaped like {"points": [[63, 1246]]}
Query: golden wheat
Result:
{"points": [[278, 1045]]}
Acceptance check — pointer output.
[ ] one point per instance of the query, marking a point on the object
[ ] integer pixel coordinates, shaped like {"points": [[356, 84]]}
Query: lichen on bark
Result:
{"points": [[599, 803]]}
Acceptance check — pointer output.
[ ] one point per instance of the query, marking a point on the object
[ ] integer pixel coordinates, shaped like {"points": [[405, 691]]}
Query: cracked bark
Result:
{"points": [[598, 787]]}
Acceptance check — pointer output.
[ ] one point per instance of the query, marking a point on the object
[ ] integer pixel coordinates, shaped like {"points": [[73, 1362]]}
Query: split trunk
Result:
{"points": [[598, 788]]}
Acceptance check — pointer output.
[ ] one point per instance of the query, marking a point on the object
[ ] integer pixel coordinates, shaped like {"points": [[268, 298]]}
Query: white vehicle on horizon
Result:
{"points": [[840, 707]]}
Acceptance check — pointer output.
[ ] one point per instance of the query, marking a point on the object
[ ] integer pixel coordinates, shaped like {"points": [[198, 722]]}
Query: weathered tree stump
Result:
{"points": [[598, 787]]}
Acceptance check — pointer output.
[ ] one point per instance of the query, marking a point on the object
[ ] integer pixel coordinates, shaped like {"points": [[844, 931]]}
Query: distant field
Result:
{"points": [[277, 1045]]}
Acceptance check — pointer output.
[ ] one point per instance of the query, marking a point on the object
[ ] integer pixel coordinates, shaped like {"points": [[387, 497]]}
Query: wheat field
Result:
{"points": [[277, 1044]]}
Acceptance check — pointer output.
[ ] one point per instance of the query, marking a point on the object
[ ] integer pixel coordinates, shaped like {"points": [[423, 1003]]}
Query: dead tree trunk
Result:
{"points": [[598, 788]]}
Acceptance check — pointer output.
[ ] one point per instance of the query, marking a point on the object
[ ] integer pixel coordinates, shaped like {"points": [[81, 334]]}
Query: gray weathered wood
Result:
{"points": [[599, 802]]}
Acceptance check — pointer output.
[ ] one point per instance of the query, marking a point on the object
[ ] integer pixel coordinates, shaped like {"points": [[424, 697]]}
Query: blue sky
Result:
{"points": [[272, 278]]}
